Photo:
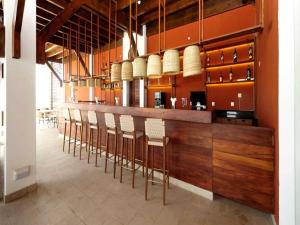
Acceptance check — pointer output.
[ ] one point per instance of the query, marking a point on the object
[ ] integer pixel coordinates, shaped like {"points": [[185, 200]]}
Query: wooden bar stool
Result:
{"points": [[94, 126], [67, 120], [155, 137], [111, 129], [78, 124], [129, 133]]}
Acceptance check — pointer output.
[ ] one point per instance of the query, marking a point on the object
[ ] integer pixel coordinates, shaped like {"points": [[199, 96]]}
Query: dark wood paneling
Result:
{"points": [[243, 165], [230, 160]]}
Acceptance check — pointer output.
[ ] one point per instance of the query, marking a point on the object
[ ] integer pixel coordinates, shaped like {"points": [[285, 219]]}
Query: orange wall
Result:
{"points": [[267, 81]]}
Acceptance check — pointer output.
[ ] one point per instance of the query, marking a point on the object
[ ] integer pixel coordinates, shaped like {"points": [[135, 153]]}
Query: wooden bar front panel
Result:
{"points": [[234, 161], [243, 165]]}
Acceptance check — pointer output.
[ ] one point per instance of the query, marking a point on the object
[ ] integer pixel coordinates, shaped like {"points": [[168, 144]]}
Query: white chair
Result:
{"points": [[156, 137], [111, 129], [94, 126], [78, 124], [67, 121], [129, 133]]}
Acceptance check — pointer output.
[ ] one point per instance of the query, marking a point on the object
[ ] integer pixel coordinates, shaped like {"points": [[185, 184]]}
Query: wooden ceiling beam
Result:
{"points": [[54, 73], [54, 26], [17, 27], [122, 4], [170, 8]]}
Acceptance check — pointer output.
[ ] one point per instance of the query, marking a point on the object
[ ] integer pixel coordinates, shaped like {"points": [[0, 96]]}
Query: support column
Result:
{"points": [[20, 124]]}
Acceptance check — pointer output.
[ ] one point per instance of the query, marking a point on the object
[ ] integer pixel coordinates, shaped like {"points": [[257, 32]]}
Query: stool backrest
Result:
{"points": [[66, 114], [110, 120], [127, 124], [77, 115], [92, 117], [155, 128]]}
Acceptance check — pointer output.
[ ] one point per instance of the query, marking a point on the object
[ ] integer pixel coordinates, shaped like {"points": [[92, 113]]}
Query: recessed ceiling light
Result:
{"points": [[139, 2]]}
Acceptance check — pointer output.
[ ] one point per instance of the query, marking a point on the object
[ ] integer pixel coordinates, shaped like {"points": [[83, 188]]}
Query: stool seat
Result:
{"points": [[138, 134], [92, 126], [78, 124], [157, 142]]}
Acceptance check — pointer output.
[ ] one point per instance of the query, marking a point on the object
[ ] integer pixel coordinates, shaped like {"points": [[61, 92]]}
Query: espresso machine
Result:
{"points": [[160, 99]]}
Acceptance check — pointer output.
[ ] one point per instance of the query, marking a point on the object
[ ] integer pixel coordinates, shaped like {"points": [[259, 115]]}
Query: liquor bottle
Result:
{"points": [[207, 60], [221, 78], [222, 57], [230, 75], [250, 52], [249, 73], [208, 78], [235, 56]]}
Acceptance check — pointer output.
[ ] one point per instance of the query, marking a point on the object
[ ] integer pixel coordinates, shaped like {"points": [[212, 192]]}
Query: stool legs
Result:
{"points": [[147, 175], [165, 172], [81, 135], [90, 143], [133, 160], [115, 154], [65, 137], [75, 141], [97, 145], [70, 132], [107, 151], [122, 157]]}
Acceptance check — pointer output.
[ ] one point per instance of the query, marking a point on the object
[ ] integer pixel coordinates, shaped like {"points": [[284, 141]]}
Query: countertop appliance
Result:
{"points": [[160, 99], [197, 97]]}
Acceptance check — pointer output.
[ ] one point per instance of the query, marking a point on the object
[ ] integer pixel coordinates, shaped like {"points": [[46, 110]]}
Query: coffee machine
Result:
{"points": [[160, 99]]}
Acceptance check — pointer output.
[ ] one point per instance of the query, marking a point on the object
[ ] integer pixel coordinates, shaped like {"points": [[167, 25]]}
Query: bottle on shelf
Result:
{"points": [[208, 79], [230, 75], [250, 52], [207, 60], [249, 73], [235, 56], [222, 57], [221, 78]]}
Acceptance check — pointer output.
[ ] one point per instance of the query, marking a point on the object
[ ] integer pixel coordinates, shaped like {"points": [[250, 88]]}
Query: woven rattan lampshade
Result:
{"points": [[91, 82], [171, 62], [154, 67], [126, 72], [73, 83], [97, 83], [191, 61], [115, 72], [139, 68], [82, 83]]}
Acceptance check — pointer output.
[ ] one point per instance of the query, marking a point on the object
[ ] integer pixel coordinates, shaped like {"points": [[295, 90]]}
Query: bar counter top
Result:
{"points": [[167, 114], [229, 160]]}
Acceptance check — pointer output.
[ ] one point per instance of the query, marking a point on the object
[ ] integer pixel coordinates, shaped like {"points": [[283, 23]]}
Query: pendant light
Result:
{"points": [[191, 54], [139, 67], [127, 70], [154, 61], [116, 67], [115, 72], [171, 61], [139, 64]]}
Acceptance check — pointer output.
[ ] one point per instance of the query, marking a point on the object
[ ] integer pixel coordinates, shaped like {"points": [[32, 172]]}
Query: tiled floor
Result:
{"points": [[71, 192]]}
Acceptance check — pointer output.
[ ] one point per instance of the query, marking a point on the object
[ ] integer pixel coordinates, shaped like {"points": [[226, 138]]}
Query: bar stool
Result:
{"points": [[155, 137], [94, 125], [67, 120], [78, 124], [129, 133], [111, 129]]}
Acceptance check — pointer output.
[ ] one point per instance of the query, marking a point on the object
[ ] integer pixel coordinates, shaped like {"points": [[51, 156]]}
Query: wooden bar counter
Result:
{"points": [[233, 161]]}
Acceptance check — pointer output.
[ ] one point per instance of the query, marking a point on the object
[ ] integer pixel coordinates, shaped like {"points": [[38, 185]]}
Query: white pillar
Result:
{"points": [[125, 93], [20, 124], [297, 107], [287, 101], [91, 70]]}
